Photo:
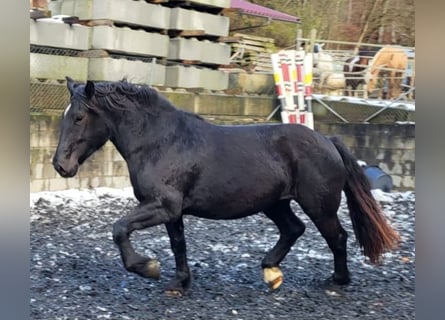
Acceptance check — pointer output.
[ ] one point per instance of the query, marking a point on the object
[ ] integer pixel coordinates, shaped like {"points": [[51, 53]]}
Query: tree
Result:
{"points": [[371, 21]]}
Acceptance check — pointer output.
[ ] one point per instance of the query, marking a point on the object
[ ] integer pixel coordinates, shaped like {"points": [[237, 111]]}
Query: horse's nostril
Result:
{"points": [[59, 169]]}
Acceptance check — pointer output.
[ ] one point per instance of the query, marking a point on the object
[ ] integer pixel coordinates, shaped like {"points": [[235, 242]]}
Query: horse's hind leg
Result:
{"points": [[324, 215], [290, 227]]}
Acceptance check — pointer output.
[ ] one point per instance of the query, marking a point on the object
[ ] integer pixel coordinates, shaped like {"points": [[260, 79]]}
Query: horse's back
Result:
{"points": [[286, 145], [249, 168], [391, 57]]}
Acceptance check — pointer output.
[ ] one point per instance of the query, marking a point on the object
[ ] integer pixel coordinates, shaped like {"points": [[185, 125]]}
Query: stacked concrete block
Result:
{"points": [[215, 52], [52, 67], [209, 3], [136, 71], [206, 52], [182, 77], [54, 33], [126, 40], [214, 79], [122, 11], [189, 22], [209, 24], [184, 49], [193, 77], [108, 25]]}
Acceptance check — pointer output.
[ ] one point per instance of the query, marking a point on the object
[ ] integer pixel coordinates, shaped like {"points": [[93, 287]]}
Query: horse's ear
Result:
{"points": [[70, 84], [89, 89]]}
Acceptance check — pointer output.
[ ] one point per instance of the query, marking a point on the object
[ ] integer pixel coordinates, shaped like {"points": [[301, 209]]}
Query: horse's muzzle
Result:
{"points": [[64, 171]]}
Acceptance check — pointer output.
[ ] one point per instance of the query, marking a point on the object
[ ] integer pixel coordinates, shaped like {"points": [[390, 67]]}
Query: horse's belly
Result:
{"points": [[234, 203], [234, 210]]}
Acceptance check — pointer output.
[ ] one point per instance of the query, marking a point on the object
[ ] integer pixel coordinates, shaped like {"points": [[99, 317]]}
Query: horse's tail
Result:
{"points": [[375, 236]]}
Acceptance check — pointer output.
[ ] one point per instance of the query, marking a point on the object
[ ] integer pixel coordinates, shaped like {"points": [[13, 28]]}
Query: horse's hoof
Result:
{"points": [[174, 293], [341, 280], [273, 277], [153, 269]]}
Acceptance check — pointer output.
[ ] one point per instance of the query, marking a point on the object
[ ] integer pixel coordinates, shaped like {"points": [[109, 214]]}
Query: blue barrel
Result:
{"points": [[378, 179]]}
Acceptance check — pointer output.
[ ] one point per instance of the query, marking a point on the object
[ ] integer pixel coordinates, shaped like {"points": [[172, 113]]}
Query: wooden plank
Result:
{"points": [[228, 11], [96, 53], [41, 4], [251, 37], [228, 39], [97, 22], [119, 24], [191, 33], [259, 69], [256, 43], [258, 55], [249, 47], [39, 14]]}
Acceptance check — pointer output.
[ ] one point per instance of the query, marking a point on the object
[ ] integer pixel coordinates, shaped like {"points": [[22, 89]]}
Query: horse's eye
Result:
{"points": [[78, 118]]}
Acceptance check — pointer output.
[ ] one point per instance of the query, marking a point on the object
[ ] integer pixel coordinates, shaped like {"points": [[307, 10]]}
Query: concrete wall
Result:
{"points": [[392, 147], [105, 168]]}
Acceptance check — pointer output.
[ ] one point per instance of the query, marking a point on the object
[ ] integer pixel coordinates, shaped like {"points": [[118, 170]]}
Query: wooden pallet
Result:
{"points": [[193, 5], [243, 36], [39, 14], [101, 53], [186, 33], [121, 24], [252, 52], [263, 63]]}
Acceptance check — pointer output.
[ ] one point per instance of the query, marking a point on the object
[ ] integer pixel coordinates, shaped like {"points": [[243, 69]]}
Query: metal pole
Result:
{"points": [[330, 109], [389, 105]]}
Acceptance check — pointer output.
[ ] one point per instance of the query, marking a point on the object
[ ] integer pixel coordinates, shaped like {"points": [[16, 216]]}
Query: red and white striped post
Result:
{"points": [[293, 88], [308, 64], [283, 67]]}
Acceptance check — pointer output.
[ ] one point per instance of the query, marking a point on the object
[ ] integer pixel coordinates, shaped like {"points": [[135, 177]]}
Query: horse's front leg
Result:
{"points": [[182, 278], [144, 216]]}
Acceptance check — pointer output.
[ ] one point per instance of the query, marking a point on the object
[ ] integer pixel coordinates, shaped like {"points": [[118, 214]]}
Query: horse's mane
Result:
{"points": [[123, 95]]}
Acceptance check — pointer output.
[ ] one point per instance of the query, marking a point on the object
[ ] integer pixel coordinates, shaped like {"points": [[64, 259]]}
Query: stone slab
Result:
{"points": [[123, 11], [182, 77], [192, 77], [208, 3], [210, 24], [201, 51], [52, 67], [129, 41], [214, 79], [53, 33], [135, 71]]}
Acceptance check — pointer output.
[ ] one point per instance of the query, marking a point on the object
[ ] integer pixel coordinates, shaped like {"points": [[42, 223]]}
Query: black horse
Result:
{"points": [[354, 75], [180, 164], [354, 70]]}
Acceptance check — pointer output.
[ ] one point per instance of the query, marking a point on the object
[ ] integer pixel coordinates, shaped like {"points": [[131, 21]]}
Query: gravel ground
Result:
{"points": [[76, 271]]}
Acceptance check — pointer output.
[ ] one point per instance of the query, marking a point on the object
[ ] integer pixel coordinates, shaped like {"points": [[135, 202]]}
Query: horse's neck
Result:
{"points": [[138, 133], [137, 130]]}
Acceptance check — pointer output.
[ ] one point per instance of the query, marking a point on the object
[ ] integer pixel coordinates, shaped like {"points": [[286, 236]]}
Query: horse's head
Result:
{"points": [[318, 47], [371, 78], [83, 130]]}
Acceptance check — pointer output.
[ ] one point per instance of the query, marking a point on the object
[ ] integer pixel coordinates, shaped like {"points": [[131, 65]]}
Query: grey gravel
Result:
{"points": [[76, 271]]}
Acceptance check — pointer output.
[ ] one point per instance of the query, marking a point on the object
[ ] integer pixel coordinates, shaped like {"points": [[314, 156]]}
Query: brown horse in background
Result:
{"points": [[389, 61]]}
